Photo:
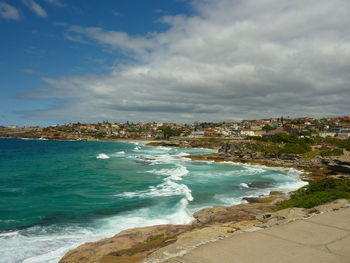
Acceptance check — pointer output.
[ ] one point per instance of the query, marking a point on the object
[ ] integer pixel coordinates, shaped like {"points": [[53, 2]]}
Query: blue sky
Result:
{"points": [[65, 61], [34, 46]]}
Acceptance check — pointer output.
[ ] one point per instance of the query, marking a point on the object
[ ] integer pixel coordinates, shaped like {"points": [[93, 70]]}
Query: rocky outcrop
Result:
{"points": [[208, 143], [338, 166], [124, 242], [159, 243], [290, 214], [224, 214]]}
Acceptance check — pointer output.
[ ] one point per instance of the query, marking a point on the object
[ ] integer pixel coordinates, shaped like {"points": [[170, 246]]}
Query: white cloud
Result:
{"points": [[56, 2], [230, 60], [35, 7], [9, 12]]}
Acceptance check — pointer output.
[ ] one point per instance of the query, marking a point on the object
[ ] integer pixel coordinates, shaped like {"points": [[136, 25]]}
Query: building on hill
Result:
{"points": [[342, 131]]}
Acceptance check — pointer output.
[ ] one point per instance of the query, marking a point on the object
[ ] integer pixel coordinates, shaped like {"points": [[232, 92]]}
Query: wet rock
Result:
{"points": [[276, 193], [260, 185], [252, 199]]}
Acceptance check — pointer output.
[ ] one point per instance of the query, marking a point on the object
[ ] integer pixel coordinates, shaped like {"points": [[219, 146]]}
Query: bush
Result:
{"points": [[317, 193], [292, 148], [334, 152]]}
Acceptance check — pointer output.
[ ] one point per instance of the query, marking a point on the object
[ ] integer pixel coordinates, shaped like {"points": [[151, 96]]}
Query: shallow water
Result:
{"points": [[55, 195]]}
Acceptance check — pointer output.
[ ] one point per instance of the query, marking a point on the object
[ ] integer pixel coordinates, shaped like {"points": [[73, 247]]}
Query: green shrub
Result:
{"points": [[317, 193], [292, 148], [334, 152], [155, 237]]}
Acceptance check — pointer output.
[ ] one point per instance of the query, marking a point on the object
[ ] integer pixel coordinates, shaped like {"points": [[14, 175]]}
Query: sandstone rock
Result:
{"points": [[337, 204], [252, 199], [242, 225], [188, 241], [224, 214], [288, 213], [94, 251]]}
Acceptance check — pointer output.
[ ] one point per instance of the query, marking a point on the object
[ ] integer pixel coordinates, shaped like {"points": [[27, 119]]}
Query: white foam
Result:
{"points": [[169, 187], [174, 173], [121, 152], [290, 186], [102, 156], [244, 185], [9, 234]]}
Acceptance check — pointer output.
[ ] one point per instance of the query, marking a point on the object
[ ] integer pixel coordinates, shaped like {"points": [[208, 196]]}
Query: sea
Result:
{"points": [[57, 195]]}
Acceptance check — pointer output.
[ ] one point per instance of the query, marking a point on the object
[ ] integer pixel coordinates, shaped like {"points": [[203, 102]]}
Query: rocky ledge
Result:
{"points": [[159, 243], [133, 245]]}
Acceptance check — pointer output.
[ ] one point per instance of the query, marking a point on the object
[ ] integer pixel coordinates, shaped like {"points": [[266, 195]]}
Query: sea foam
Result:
{"points": [[102, 156]]}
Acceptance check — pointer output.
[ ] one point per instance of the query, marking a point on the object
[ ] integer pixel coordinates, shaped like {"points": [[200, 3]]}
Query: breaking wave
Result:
{"points": [[102, 156]]}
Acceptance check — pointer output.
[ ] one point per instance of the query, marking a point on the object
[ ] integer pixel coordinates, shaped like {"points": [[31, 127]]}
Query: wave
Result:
{"points": [[244, 185], [174, 173], [102, 156], [168, 188]]}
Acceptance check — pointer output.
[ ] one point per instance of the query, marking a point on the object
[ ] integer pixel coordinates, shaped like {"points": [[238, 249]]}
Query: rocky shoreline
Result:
{"points": [[242, 151], [158, 243]]}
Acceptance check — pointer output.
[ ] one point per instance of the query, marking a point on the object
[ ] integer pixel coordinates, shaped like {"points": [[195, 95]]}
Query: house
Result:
{"points": [[197, 134], [342, 130]]}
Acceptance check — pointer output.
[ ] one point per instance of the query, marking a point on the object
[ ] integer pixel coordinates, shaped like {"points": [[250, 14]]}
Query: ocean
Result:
{"points": [[56, 195]]}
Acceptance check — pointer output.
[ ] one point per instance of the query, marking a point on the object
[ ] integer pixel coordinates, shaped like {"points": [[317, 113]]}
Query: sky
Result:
{"points": [[64, 61]]}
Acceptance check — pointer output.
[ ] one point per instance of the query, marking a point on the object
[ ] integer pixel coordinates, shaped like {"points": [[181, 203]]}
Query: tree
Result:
{"points": [[168, 131]]}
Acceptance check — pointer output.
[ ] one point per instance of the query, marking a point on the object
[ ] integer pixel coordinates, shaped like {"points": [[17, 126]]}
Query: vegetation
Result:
{"points": [[333, 152], [168, 131], [155, 237], [317, 193]]}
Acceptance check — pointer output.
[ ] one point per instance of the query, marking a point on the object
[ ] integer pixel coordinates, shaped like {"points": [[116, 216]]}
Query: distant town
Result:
{"points": [[335, 127]]}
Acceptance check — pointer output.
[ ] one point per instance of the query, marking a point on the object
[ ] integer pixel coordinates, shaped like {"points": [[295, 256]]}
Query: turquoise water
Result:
{"points": [[55, 195]]}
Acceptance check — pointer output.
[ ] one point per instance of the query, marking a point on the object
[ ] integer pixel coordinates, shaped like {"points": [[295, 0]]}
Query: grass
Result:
{"points": [[155, 237], [334, 152], [319, 192]]}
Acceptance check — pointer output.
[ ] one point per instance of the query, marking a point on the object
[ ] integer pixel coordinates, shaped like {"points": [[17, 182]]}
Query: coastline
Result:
{"points": [[207, 218]]}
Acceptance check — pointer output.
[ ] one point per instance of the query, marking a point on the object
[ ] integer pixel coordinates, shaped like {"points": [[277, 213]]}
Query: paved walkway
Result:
{"points": [[322, 238]]}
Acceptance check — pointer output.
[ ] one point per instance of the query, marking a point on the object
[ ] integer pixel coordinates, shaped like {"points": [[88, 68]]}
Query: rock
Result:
{"points": [[276, 193], [188, 241], [242, 225], [280, 200], [259, 185], [337, 204], [337, 165], [92, 252], [224, 214], [252, 199], [272, 199], [288, 213]]}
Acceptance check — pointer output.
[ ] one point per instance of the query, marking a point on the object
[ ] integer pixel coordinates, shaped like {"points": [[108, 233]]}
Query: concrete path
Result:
{"points": [[322, 238]]}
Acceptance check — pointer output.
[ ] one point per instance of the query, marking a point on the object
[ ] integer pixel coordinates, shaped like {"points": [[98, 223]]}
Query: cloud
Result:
{"points": [[229, 60], [35, 7], [138, 45], [30, 71], [56, 2], [9, 12]]}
